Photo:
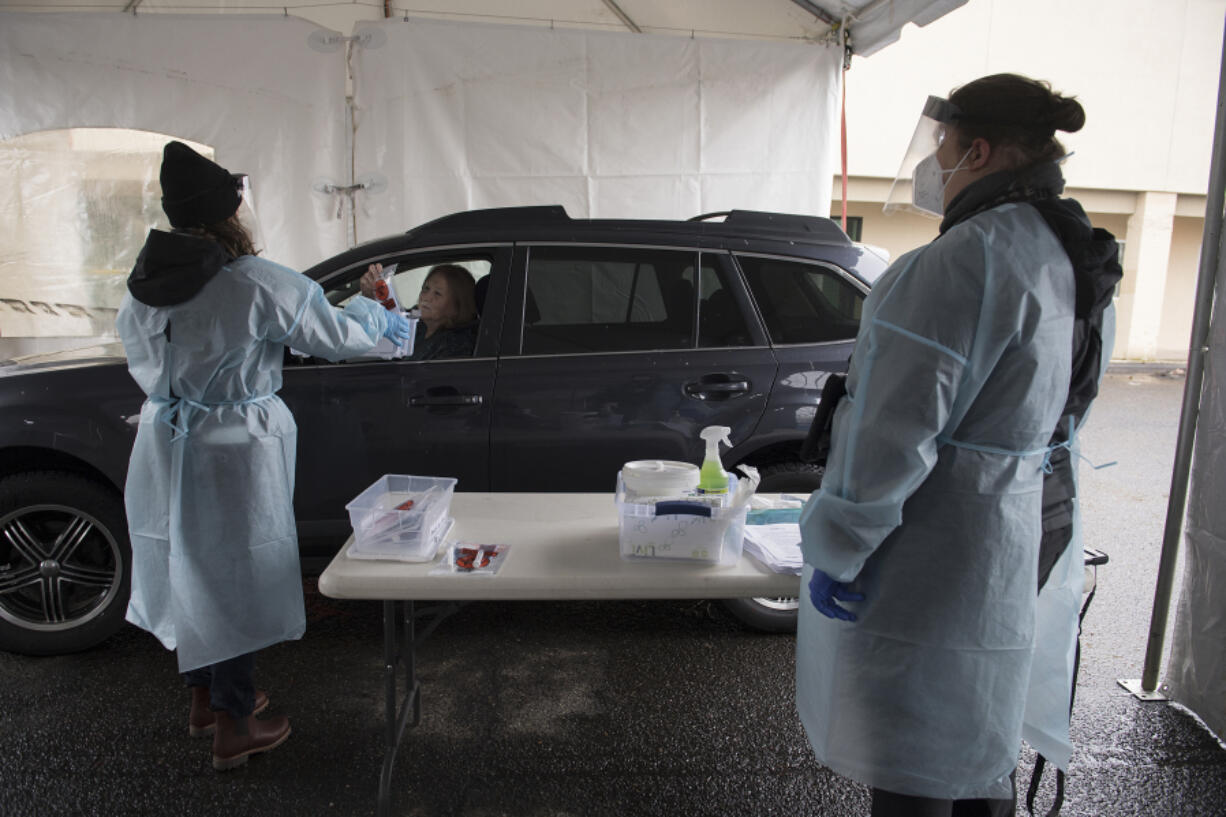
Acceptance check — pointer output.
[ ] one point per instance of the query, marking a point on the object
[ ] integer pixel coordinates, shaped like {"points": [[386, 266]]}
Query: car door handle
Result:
{"points": [[702, 390], [447, 400]]}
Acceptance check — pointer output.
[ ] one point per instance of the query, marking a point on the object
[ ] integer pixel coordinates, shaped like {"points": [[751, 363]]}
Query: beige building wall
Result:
{"points": [[1182, 270], [1146, 74]]}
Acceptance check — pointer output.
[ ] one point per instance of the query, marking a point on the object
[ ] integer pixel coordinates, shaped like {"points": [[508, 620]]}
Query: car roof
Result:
{"points": [[740, 229]]}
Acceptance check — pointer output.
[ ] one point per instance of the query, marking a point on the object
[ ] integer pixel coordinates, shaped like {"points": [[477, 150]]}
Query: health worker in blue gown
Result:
{"points": [[210, 483], [917, 627]]}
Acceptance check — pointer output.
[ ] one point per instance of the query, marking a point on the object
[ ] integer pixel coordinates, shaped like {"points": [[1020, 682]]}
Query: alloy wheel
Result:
{"points": [[59, 567]]}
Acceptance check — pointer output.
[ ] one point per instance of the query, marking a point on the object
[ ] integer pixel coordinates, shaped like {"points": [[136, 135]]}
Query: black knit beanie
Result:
{"points": [[195, 191]]}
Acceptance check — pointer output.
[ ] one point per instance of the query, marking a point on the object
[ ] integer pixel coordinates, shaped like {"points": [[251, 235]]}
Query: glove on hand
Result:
{"points": [[824, 591], [398, 328]]}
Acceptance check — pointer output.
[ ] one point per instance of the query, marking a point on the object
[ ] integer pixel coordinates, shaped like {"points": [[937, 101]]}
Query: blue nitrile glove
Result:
{"points": [[398, 328], [824, 591]]}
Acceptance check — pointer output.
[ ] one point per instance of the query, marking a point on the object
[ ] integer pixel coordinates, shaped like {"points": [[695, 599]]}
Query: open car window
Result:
{"points": [[405, 277]]}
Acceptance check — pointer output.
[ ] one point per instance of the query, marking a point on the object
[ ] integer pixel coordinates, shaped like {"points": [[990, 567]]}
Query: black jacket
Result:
{"points": [[173, 267]]}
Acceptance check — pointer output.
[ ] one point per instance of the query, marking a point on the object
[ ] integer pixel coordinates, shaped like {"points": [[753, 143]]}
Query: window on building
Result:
{"points": [[855, 225]]}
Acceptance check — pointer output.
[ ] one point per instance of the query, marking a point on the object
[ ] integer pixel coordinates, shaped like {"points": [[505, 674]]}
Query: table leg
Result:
{"points": [[399, 647]]}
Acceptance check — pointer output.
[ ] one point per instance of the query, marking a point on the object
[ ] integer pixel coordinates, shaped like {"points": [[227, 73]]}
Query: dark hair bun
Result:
{"points": [[1065, 114], [1010, 109]]}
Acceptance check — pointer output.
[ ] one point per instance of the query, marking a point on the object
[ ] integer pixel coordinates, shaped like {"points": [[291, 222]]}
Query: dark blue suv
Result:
{"points": [[600, 341]]}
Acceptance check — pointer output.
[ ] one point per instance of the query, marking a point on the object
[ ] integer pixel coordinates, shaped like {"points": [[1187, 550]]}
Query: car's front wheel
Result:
{"points": [[777, 615], [65, 562]]}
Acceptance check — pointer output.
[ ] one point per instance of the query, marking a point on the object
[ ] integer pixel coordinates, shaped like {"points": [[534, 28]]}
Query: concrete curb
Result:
{"points": [[1170, 368]]}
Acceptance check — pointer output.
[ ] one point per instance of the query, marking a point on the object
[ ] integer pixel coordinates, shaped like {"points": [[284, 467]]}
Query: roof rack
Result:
{"points": [[496, 217], [813, 228], [817, 226]]}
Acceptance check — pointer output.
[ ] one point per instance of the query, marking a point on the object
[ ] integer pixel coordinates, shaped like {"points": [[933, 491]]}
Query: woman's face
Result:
{"points": [[435, 302]]}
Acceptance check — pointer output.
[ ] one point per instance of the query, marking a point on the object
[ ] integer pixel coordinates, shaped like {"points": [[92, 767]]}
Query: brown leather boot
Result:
{"points": [[236, 739], [200, 721]]}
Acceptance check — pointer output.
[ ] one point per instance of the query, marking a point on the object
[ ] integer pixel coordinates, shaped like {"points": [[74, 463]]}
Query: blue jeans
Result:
{"points": [[231, 684]]}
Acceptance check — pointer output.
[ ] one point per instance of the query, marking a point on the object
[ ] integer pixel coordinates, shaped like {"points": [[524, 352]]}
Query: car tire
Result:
{"points": [[791, 477], [65, 563], [766, 614]]}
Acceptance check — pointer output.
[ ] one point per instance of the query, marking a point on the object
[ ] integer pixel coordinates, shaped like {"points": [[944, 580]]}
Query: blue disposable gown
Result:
{"points": [[931, 507], [210, 486]]}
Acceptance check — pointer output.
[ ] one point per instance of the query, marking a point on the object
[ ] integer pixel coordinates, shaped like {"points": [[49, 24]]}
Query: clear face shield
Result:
{"points": [[246, 210], [914, 191]]}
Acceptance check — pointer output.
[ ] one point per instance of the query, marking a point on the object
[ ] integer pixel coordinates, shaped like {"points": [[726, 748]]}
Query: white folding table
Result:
{"points": [[563, 547]]}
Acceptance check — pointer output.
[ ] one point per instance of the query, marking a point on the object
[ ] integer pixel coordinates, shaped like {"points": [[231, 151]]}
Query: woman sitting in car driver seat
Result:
{"points": [[447, 307]]}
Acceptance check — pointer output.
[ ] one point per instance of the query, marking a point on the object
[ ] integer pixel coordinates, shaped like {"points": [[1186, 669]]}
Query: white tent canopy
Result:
{"points": [[873, 24]]}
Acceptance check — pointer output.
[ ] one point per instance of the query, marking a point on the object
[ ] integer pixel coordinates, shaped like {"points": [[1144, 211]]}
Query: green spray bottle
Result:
{"points": [[711, 477]]}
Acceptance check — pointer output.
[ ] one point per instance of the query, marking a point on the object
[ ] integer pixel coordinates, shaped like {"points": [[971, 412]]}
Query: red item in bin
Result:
{"points": [[405, 506]]}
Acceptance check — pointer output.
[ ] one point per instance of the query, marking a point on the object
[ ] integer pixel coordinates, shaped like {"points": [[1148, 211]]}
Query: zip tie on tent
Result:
{"points": [[327, 41], [371, 184]]}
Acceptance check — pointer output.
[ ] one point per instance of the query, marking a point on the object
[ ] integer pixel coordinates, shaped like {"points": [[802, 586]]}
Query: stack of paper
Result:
{"points": [[772, 535], [775, 546]]}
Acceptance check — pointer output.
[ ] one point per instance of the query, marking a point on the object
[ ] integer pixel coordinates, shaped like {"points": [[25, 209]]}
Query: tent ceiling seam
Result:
{"points": [[817, 11], [623, 16]]}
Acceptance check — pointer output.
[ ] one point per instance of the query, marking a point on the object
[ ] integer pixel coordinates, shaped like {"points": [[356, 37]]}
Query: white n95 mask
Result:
{"points": [[928, 183]]}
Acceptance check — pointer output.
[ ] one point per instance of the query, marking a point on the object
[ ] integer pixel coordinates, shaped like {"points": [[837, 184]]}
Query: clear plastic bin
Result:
{"points": [[687, 530], [382, 528]]}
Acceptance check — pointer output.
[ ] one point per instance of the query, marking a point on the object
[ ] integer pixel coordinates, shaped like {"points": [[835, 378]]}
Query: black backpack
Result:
{"points": [[1096, 270]]}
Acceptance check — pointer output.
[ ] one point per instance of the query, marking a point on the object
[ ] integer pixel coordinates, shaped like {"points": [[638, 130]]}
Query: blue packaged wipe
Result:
{"points": [[773, 516]]}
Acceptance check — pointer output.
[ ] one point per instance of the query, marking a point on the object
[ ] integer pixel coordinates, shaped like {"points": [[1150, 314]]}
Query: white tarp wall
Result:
{"points": [[450, 116], [1196, 672], [458, 116], [251, 87]]}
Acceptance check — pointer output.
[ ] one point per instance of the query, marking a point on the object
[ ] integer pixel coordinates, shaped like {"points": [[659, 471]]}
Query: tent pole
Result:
{"points": [[351, 125], [1210, 267]]}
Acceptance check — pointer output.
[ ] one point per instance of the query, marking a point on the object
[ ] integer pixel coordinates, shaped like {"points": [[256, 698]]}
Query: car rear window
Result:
{"points": [[803, 302], [608, 299]]}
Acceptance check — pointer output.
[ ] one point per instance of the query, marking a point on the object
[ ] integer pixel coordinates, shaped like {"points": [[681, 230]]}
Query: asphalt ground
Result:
{"points": [[575, 709]]}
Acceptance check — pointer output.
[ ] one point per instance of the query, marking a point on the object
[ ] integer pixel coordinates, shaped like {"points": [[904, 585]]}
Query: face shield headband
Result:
{"points": [[929, 134]]}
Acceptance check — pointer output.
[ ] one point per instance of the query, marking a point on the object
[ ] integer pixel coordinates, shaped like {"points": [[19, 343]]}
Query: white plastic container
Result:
{"points": [[692, 529], [382, 530], [659, 477]]}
